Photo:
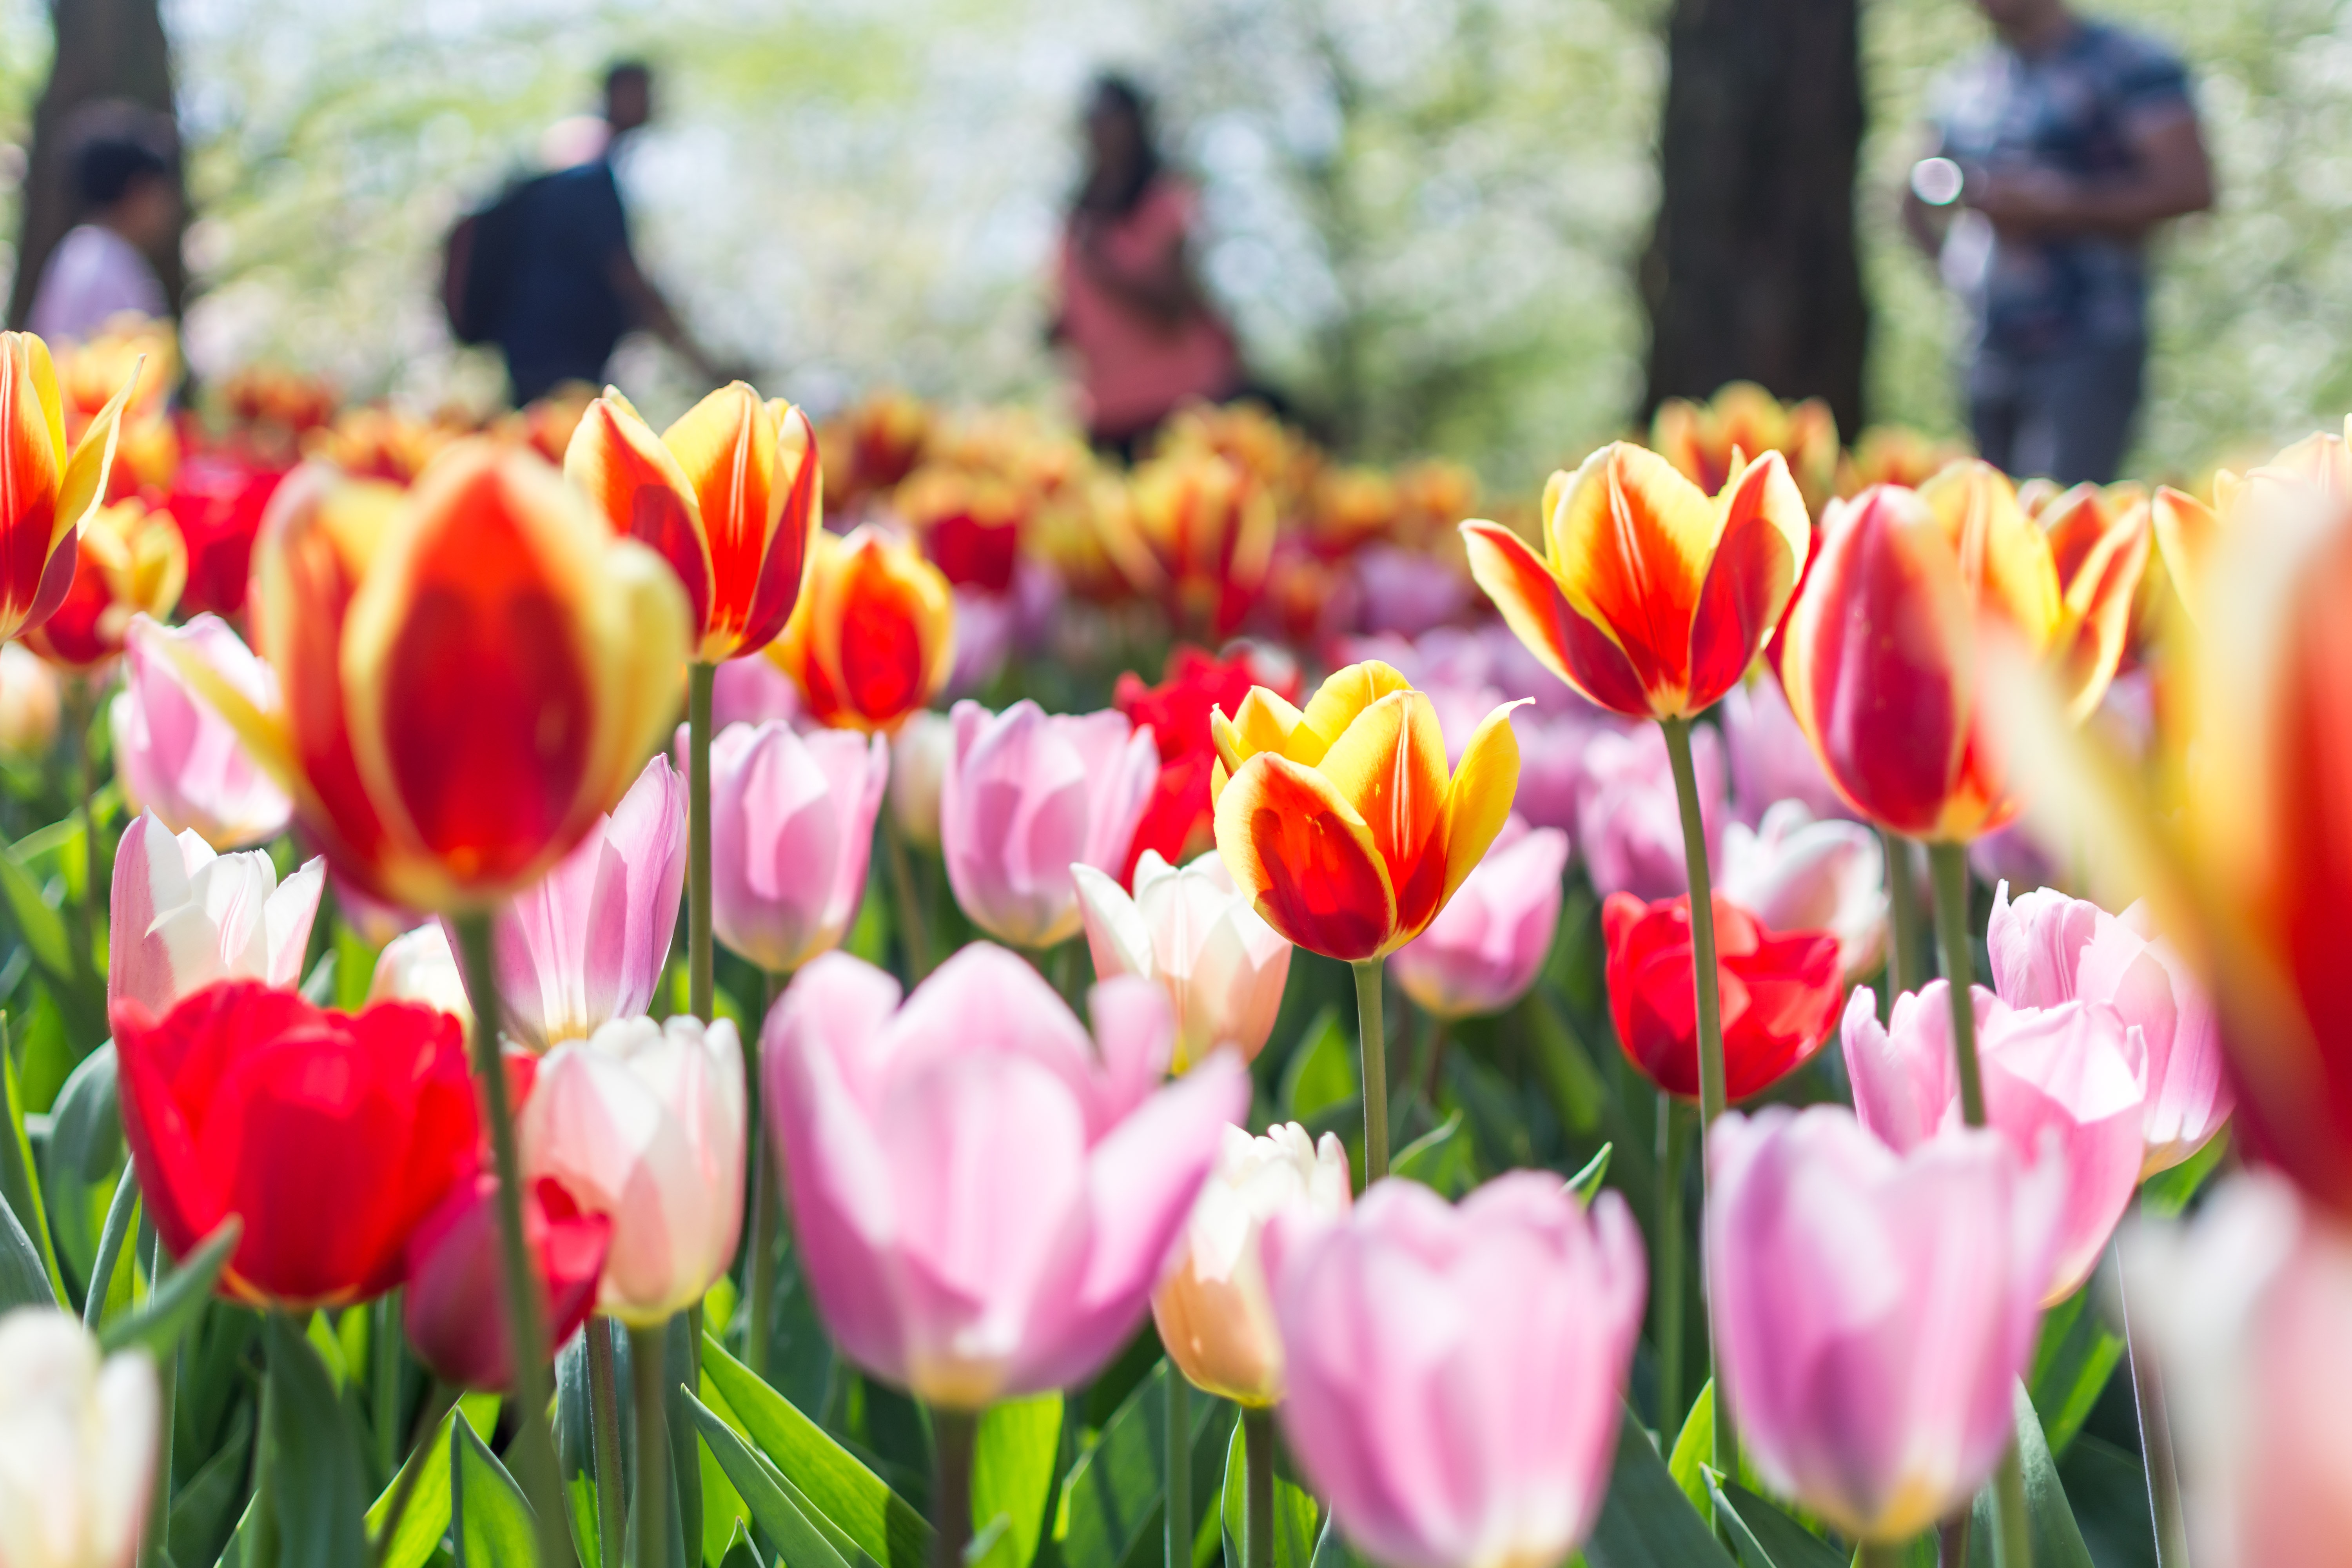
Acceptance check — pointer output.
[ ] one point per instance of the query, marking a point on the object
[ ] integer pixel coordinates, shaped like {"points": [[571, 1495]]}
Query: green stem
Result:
{"points": [[533, 1454], [263, 1549], [110, 1247], [1373, 1044], [649, 1520], [1258, 1488], [2012, 1539], [1948, 864], [1176, 1519], [1952, 1537], [700, 678], [1674, 1153], [953, 1436], [766, 1196], [2155, 1439], [904, 904], [1435, 1049], [159, 1508], [1902, 916], [1704, 982], [383, 1382], [1882, 1554], [605, 1442]]}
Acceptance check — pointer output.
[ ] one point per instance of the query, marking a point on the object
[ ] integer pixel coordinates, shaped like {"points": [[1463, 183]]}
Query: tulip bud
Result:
{"points": [[792, 831], [46, 495], [30, 704], [419, 967], [920, 756], [1214, 1315], [454, 1309], [175, 754], [1780, 992], [182, 917], [874, 638], [77, 1444], [1484, 949], [1222, 966]]}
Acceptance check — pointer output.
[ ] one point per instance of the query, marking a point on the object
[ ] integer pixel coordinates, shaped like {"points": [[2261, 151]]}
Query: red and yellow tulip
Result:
{"points": [[144, 354], [47, 492], [874, 638], [470, 671], [1341, 822], [130, 562], [729, 496], [1651, 599], [1707, 441], [1196, 531]]}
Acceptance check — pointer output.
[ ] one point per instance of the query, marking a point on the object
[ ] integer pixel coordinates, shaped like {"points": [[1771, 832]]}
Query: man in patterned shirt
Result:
{"points": [[2059, 149]]}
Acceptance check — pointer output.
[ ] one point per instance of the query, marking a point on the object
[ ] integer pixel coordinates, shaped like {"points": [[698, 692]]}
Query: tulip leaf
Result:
{"points": [[741, 1552], [204, 1507], [764, 1492], [2077, 1355], [119, 1210], [424, 1519], [2166, 1193], [1586, 1183], [2057, 1540], [20, 1181], [22, 1281], [1767, 1538], [877, 1519], [488, 1520], [318, 1474], [1441, 1158], [1646, 1521], [1112, 1497], [173, 1305], [1296, 1513], [43, 928], [84, 1152], [1013, 1459], [1322, 1069]]}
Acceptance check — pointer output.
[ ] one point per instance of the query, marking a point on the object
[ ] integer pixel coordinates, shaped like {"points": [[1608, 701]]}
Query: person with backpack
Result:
{"points": [[546, 272]]}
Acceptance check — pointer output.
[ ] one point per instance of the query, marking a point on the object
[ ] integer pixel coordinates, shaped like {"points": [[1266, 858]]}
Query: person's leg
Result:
{"points": [[2094, 397], [1993, 408]]}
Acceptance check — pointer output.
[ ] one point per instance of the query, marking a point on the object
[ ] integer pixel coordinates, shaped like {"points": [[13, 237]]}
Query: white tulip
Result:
{"points": [[1222, 965], [77, 1443]]}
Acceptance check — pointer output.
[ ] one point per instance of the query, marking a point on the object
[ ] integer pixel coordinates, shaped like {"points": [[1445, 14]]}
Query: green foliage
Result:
{"points": [[2057, 1543], [1646, 1521], [1012, 1474], [488, 1520], [1112, 1497], [1765, 1537], [2077, 1354], [1298, 1517], [314, 1456]]}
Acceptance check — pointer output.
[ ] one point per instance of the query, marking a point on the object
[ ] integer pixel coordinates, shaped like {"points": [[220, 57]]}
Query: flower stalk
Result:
{"points": [[650, 1519], [1902, 916], [1258, 1488], [604, 1438], [701, 680], [954, 1434], [1176, 1519], [1374, 1050]]}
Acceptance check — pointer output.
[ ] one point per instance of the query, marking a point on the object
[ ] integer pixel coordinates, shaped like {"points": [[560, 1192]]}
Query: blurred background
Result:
{"points": [[1430, 221]]}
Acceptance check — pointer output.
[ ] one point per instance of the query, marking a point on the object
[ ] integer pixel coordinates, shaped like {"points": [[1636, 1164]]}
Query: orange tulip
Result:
{"points": [[1650, 599], [1341, 822], [2188, 532], [729, 496], [1706, 441], [1884, 655], [470, 671], [874, 638], [45, 493], [2096, 533], [128, 562], [1896, 454], [1197, 532]]}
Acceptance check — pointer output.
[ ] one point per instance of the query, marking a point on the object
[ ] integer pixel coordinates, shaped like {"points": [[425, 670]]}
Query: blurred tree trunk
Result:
{"points": [[105, 49], [1751, 271]]}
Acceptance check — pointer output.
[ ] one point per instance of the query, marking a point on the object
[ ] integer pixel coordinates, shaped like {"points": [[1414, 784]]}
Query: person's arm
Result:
{"points": [[650, 311], [1163, 288], [2170, 177]]}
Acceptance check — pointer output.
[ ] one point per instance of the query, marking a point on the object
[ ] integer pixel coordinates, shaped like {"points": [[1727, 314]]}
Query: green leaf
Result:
{"points": [[319, 1476], [20, 1181], [119, 1210], [206, 1505], [780, 1519], [1586, 1183], [1566, 1065], [2072, 1364], [1296, 1513], [488, 1520], [425, 1519], [22, 1281], [1694, 1449], [174, 1304], [43, 928], [1441, 1158], [2057, 1543], [1767, 1538], [1647, 1520], [1112, 1497], [354, 967], [84, 1152], [1014, 1460], [741, 1552], [880, 1521], [2166, 1193], [1322, 1071], [318, 987]]}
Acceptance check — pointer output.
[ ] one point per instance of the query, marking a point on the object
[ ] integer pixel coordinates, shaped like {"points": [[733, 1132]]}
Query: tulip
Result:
{"points": [[900, 1128], [182, 917], [470, 673], [1214, 1311], [1793, 873], [1341, 822], [1223, 967], [1780, 992], [983, 640], [1196, 531], [1455, 1373], [1651, 599], [588, 943], [1882, 662], [792, 832], [1484, 949], [752, 692], [419, 967], [2245, 1306], [1770, 759], [2063, 1079], [46, 494], [30, 704], [1896, 454], [874, 638], [1408, 591], [1026, 796], [729, 496], [1179, 822], [920, 753], [78, 1440], [2048, 949], [878, 440], [175, 754], [1627, 818], [451, 1308], [1706, 441], [331, 1135], [642, 1123], [218, 501], [1874, 1310], [130, 562]]}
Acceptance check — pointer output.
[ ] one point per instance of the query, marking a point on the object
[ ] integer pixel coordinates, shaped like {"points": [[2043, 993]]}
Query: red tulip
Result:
{"points": [[1179, 822], [331, 1135], [452, 1311], [1780, 993], [218, 500]]}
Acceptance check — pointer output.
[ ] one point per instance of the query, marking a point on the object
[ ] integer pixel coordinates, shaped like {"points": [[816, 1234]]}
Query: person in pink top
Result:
{"points": [[1144, 338]]}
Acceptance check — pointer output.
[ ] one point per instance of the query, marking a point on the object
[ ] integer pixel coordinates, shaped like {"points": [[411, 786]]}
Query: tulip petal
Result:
{"points": [[1478, 799], [1530, 597], [784, 568], [1390, 765], [1630, 542], [1301, 852], [1757, 559], [635, 482]]}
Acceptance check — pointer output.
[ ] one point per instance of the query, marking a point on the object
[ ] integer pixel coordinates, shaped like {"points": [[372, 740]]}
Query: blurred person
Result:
{"points": [[1145, 338], [126, 183], [2059, 151], [552, 260]]}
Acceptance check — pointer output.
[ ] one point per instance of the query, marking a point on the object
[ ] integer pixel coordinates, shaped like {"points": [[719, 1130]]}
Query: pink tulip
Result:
{"points": [[1487, 945], [173, 752], [1873, 1309], [183, 917], [1628, 822], [983, 638], [2047, 948], [642, 1123], [1455, 1373], [983, 1196], [587, 943], [453, 1310], [1772, 760], [1027, 795], [1190, 931], [2060, 1083], [753, 691], [1551, 765], [1408, 592], [1794, 873], [2244, 1306], [417, 967], [792, 829]]}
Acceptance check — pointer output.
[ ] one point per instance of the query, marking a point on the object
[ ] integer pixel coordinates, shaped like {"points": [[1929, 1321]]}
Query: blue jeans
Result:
{"points": [[2066, 415]]}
